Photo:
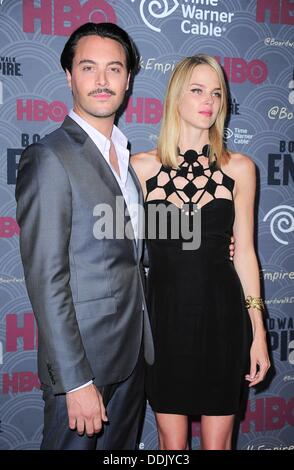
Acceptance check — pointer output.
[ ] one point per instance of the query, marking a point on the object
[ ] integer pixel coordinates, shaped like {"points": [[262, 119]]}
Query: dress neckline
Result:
{"points": [[191, 156]]}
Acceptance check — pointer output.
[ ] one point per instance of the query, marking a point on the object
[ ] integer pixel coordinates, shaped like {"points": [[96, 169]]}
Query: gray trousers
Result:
{"points": [[125, 411]]}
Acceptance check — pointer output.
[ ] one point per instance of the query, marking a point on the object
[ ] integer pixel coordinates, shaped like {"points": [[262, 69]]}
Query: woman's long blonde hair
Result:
{"points": [[169, 135]]}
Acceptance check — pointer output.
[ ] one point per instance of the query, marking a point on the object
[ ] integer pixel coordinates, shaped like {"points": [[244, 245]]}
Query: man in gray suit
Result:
{"points": [[86, 291]]}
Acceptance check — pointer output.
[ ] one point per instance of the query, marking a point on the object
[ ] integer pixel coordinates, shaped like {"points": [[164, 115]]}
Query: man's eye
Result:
{"points": [[87, 68]]}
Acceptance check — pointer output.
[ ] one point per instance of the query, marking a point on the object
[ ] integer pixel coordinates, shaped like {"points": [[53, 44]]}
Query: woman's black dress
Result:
{"points": [[201, 329]]}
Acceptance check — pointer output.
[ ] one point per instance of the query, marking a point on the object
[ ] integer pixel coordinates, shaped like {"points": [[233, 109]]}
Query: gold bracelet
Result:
{"points": [[254, 302]]}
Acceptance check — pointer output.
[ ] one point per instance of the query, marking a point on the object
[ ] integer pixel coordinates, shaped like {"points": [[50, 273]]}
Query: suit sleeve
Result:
{"points": [[44, 211]]}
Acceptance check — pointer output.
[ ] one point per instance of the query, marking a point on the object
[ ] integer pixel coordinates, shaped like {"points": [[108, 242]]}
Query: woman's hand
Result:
{"points": [[232, 248], [259, 359]]}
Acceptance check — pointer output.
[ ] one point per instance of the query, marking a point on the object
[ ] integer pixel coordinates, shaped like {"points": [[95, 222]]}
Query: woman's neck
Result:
{"points": [[193, 140]]}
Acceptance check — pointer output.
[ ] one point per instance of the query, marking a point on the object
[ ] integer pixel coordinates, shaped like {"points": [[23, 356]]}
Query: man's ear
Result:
{"points": [[128, 82], [68, 78]]}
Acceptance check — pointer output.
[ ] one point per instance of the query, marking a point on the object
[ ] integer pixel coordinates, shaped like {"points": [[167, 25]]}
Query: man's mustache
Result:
{"points": [[101, 90]]}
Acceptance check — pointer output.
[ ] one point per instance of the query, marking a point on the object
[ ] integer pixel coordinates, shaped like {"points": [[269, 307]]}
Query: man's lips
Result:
{"points": [[102, 93], [102, 96]]}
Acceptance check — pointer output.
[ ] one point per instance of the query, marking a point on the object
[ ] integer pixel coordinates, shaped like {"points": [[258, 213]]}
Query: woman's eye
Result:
{"points": [[197, 91]]}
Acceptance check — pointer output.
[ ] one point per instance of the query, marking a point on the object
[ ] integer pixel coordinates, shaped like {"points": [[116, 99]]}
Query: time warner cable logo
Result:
{"points": [[197, 21], [282, 222], [166, 11]]}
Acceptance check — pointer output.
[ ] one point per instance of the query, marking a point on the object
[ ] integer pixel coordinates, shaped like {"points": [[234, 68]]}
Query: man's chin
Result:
{"points": [[103, 113], [98, 115]]}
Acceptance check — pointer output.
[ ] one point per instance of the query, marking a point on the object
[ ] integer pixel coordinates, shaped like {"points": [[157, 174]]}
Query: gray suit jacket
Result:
{"points": [[86, 293]]}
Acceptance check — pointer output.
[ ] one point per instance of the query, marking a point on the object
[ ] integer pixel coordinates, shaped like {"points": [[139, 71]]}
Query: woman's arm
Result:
{"points": [[245, 260]]}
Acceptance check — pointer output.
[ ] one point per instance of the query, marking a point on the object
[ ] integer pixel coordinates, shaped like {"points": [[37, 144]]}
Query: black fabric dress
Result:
{"points": [[201, 329]]}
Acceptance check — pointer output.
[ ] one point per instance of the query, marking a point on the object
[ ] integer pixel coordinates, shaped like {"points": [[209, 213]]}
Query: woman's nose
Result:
{"points": [[208, 98]]}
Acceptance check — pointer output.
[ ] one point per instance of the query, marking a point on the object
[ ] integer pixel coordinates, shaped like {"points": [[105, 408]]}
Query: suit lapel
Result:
{"points": [[90, 152], [94, 156], [141, 218]]}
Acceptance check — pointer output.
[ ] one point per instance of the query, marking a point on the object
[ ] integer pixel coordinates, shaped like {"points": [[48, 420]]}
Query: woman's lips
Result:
{"points": [[206, 113]]}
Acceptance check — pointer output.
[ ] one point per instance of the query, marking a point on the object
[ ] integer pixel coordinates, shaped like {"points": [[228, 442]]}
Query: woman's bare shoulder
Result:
{"points": [[240, 159], [239, 165], [146, 163], [144, 157]]}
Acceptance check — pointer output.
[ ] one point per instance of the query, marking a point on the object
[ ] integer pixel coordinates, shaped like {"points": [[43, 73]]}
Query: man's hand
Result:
{"points": [[232, 248], [86, 411]]}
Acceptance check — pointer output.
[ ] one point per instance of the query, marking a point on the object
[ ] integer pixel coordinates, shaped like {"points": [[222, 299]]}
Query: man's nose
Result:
{"points": [[101, 78]]}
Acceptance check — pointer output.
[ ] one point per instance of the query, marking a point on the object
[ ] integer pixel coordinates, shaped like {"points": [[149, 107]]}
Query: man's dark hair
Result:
{"points": [[104, 30]]}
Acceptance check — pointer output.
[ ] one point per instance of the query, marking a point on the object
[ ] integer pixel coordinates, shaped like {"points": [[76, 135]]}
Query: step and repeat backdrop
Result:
{"points": [[254, 42]]}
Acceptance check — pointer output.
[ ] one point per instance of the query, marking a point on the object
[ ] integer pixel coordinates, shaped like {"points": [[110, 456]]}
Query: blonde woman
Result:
{"points": [[205, 310]]}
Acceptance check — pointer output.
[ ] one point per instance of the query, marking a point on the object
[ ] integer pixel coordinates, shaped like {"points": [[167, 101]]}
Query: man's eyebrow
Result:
{"points": [[90, 61]]}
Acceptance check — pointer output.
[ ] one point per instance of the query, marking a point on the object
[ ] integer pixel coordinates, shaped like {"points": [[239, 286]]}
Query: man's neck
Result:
{"points": [[102, 125]]}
